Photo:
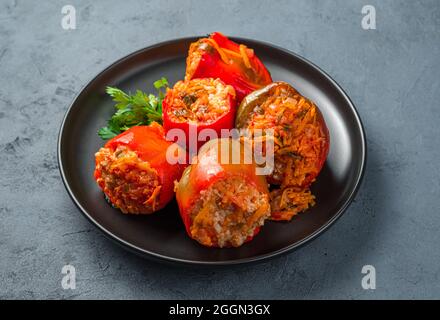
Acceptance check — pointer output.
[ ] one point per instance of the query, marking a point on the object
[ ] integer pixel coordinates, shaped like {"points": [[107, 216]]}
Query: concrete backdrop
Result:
{"points": [[392, 74]]}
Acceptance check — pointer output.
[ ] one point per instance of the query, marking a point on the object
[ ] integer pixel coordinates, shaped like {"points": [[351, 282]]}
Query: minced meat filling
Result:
{"points": [[130, 183], [228, 213]]}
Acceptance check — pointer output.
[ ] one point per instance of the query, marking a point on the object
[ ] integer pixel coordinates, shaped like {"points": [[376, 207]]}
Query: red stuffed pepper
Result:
{"points": [[133, 171], [235, 64], [222, 203], [301, 143], [200, 104]]}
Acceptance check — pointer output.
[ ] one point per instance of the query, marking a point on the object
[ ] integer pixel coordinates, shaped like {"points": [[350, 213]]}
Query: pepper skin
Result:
{"points": [[247, 115], [150, 146], [301, 143], [208, 170], [195, 105], [235, 64]]}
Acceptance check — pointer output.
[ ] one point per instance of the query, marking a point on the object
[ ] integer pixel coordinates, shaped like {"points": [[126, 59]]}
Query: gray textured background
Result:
{"points": [[392, 74]]}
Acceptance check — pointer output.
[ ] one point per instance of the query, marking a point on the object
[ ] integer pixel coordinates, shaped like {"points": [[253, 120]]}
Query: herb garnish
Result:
{"points": [[134, 109]]}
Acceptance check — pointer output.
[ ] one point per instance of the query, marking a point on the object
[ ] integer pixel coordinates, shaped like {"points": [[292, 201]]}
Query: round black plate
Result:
{"points": [[162, 234]]}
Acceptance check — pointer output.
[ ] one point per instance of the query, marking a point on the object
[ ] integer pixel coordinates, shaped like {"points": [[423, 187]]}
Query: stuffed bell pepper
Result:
{"points": [[133, 171], [301, 143], [235, 64], [223, 202], [198, 104]]}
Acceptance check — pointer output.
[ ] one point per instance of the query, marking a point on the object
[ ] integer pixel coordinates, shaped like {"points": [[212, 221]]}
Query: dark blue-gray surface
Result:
{"points": [[391, 73]]}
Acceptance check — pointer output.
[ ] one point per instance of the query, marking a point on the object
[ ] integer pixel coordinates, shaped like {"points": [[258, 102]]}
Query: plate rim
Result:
{"points": [[258, 258]]}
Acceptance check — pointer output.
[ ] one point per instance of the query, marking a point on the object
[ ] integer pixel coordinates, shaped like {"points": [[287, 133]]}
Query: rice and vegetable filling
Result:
{"points": [[199, 100], [228, 213], [301, 143], [131, 184]]}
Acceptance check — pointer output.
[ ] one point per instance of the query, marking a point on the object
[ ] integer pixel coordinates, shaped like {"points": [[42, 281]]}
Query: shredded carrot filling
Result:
{"points": [[245, 56], [290, 201], [225, 54], [220, 51], [153, 198], [130, 183], [228, 213], [232, 53], [299, 144]]}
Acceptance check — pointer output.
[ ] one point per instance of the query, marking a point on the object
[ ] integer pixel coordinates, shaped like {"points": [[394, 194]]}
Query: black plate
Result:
{"points": [[162, 235]]}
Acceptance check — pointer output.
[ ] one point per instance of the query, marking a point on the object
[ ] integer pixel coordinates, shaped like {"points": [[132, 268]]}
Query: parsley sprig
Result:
{"points": [[135, 109]]}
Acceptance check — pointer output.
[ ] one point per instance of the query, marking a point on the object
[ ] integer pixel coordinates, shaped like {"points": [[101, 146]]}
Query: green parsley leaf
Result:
{"points": [[106, 133], [161, 83], [135, 109]]}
